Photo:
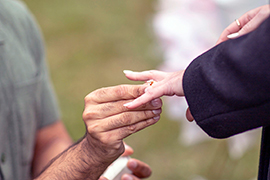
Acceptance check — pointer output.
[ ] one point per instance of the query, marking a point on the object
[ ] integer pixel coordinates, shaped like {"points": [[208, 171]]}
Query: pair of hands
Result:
{"points": [[170, 84], [108, 122], [111, 114]]}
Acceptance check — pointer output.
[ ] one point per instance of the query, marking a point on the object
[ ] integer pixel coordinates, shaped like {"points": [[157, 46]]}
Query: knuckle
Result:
{"points": [[87, 98], [125, 118], [93, 131], [121, 90], [152, 72], [95, 94], [132, 128], [137, 92], [109, 107], [143, 106], [91, 96], [150, 122], [146, 114], [89, 114], [149, 92]]}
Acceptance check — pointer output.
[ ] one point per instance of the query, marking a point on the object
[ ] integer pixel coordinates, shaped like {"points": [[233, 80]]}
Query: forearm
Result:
{"points": [[50, 141], [227, 88], [51, 150], [77, 162]]}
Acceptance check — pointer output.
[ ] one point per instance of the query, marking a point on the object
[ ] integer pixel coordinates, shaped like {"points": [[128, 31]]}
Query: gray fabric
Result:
{"points": [[27, 101]]}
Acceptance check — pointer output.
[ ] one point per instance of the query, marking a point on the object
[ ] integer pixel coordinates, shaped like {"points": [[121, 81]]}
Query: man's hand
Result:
{"points": [[108, 122], [247, 23]]}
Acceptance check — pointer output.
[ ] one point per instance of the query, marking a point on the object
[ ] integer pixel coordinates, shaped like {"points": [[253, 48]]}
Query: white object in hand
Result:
{"points": [[117, 169]]}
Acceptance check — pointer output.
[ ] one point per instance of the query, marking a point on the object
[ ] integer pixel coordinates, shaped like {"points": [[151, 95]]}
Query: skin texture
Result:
{"points": [[107, 122]]}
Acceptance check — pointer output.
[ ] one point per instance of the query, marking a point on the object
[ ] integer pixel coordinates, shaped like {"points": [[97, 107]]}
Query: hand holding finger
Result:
{"points": [[170, 84], [150, 94], [108, 122]]}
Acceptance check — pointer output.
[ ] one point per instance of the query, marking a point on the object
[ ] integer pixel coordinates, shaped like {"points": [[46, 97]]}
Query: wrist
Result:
{"points": [[102, 152]]}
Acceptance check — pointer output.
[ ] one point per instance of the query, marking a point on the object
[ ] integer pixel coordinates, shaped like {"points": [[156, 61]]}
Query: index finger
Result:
{"points": [[115, 93], [144, 75], [146, 97]]}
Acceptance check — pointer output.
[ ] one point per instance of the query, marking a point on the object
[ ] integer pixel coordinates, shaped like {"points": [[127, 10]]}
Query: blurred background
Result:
{"points": [[89, 43]]}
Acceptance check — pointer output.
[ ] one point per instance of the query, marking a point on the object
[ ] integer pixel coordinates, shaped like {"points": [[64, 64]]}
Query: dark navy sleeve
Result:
{"points": [[228, 87]]}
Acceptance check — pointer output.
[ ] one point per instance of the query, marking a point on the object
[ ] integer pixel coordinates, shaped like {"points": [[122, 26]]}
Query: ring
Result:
{"points": [[151, 82], [238, 23]]}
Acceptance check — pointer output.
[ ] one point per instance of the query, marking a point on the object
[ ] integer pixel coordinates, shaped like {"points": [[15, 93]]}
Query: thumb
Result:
{"points": [[128, 150]]}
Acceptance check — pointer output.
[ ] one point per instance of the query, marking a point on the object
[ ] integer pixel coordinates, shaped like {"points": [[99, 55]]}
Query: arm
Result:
{"points": [[227, 88], [50, 141], [54, 139], [107, 123]]}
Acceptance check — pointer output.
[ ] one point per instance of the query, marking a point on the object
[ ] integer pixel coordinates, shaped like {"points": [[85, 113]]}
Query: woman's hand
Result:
{"points": [[164, 83], [245, 24]]}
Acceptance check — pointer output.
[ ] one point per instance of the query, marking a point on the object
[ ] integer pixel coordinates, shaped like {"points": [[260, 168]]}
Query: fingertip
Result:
{"points": [[127, 71], [102, 178], [156, 102], [189, 116], [139, 168], [131, 105], [127, 177], [128, 104], [232, 36], [132, 164]]}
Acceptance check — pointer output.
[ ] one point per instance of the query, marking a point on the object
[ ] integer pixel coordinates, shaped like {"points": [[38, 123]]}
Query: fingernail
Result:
{"points": [[127, 177], [156, 117], [156, 102], [156, 111], [127, 71], [127, 104], [132, 164], [234, 35]]}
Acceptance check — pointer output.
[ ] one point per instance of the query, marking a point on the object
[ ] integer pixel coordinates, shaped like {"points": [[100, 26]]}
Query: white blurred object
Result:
{"points": [[117, 169], [240, 143], [186, 29]]}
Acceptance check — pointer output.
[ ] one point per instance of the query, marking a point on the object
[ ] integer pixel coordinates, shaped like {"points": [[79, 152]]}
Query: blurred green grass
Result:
{"points": [[88, 44]]}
